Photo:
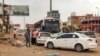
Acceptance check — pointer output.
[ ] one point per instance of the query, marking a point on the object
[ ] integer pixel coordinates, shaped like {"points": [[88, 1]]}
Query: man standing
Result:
{"points": [[28, 38], [34, 36]]}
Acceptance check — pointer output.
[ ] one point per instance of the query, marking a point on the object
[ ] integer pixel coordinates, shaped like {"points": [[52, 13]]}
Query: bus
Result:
{"points": [[51, 25]]}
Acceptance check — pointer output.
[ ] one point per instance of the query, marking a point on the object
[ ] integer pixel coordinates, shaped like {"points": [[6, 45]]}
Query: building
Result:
{"points": [[93, 24], [55, 14], [4, 22], [16, 26], [29, 25], [76, 20], [87, 22]]}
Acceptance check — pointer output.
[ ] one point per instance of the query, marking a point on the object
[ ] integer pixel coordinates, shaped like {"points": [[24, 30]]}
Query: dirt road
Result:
{"points": [[8, 50]]}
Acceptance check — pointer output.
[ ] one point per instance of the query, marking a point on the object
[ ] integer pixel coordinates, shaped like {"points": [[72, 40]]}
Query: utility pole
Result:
{"points": [[98, 11], [50, 8], [24, 22], [3, 6], [98, 18], [3, 15]]}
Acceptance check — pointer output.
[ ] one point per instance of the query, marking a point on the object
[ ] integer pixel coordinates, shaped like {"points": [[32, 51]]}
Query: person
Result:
{"points": [[34, 36], [15, 33], [32, 39], [28, 39]]}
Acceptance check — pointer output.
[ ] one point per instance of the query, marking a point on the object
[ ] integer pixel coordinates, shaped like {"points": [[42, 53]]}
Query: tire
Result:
{"points": [[37, 44], [50, 45], [87, 49], [78, 48]]}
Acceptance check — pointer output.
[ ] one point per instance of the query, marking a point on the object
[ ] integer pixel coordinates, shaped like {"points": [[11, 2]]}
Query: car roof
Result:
{"points": [[71, 33], [44, 32], [56, 35], [85, 31]]}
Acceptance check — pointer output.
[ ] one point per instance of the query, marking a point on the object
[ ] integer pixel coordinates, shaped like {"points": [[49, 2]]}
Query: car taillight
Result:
{"points": [[89, 40]]}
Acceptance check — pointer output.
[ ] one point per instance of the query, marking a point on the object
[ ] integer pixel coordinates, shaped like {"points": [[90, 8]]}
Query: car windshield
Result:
{"points": [[87, 33], [55, 35], [45, 35]]}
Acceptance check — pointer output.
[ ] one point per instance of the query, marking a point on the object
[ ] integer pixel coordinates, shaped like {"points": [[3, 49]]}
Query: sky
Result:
{"points": [[38, 9]]}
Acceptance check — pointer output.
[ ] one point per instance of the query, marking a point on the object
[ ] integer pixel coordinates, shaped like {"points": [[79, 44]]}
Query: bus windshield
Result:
{"points": [[52, 23], [52, 26]]}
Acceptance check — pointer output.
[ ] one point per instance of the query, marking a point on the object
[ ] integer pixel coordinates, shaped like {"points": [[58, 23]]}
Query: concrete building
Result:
{"points": [[55, 14], [87, 22], [16, 26], [4, 22], [76, 20]]}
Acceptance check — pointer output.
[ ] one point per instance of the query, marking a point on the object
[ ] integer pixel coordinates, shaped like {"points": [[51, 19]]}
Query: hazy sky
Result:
{"points": [[39, 8]]}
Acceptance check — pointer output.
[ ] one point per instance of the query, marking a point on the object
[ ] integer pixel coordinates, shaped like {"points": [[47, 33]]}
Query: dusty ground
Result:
{"points": [[8, 50]]}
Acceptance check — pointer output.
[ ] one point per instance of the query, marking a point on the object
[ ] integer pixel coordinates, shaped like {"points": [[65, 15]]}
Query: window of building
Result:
{"points": [[99, 21]]}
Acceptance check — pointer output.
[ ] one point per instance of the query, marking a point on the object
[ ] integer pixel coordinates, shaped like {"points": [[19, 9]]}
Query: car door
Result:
{"points": [[71, 40], [60, 41], [42, 37]]}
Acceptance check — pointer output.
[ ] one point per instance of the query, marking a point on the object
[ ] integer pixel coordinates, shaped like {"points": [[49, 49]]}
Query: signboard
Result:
{"points": [[19, 10], [16, 10]]}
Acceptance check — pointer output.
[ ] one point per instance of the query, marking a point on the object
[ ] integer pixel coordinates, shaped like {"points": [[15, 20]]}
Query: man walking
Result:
{"points": [[28, 38]]}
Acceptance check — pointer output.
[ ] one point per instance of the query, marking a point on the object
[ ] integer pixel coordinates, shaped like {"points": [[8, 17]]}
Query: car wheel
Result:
{"points": [[50, 45], [37, 44], [87, 49], [78, 47]]}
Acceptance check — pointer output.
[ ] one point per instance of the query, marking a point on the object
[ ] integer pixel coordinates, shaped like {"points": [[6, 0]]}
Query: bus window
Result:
{"points": [[52, 25]]}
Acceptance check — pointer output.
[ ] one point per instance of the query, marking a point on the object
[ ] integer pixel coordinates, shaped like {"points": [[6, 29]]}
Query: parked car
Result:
{"points": [[42, 37], [88, 33], [77, 41]]}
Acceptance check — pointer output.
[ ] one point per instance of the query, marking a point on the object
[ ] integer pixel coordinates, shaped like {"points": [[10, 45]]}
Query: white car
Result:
{"points": [[42, 37], [77, 41]]}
